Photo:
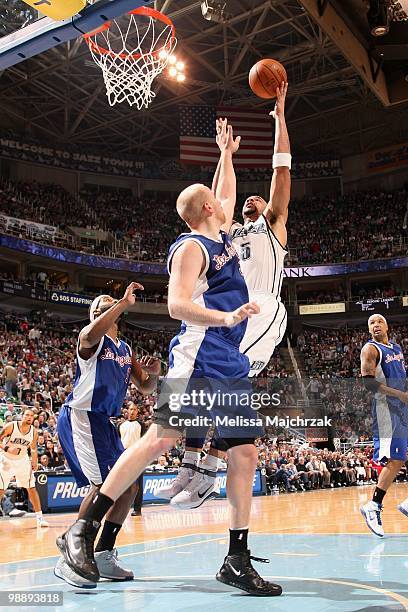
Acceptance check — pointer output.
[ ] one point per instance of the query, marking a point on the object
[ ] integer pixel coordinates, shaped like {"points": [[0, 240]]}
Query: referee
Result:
{"points": [[130, 432]]}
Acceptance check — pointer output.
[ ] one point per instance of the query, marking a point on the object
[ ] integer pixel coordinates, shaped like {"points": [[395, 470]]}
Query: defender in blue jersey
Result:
{"points": [[384, 373], [208, 294], [90, 442]]}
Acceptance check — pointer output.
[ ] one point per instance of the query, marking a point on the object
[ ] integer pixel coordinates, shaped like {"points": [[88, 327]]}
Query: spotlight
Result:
{"points": [[213, 10], [163, 54], [172, 59], [378, 17], [180, 66], [181, 77], [173, 72]]}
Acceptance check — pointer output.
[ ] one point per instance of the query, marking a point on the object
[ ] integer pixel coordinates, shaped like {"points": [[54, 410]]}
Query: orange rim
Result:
{"points": [[143, 10]]}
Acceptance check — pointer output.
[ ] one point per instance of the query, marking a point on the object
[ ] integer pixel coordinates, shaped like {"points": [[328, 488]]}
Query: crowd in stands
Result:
{"points": [[356, 226], [37, 367], [324, 229], [331, 360], [14, 14]]}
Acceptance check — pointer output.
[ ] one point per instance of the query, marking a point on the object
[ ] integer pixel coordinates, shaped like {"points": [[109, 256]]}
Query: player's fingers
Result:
{"points": [[238, 140], [254, 306], [135, 285]]}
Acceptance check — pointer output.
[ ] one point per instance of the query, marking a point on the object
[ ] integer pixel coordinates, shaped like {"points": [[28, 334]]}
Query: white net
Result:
{"points": [[131, 55]]}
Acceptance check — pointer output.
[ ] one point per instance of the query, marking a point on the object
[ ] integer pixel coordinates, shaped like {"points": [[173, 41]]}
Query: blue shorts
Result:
{"points": [[390, 430], [91, 444], [206, 364]]}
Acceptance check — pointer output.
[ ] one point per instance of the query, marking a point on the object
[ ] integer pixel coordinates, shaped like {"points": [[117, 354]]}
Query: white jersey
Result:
{"points": [[20, 440], [261, 260], [261, 256]]}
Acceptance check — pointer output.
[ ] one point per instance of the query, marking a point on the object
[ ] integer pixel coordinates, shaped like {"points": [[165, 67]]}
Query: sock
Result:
{"points": [[210, 463], [191, 457], [108, 536], [38, 515], [238, 541], [378, 495], [98, 507]]}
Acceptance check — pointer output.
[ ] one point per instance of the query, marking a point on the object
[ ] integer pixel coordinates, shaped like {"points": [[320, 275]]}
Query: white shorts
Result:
{"points": [[264, 331], [18, 468]]}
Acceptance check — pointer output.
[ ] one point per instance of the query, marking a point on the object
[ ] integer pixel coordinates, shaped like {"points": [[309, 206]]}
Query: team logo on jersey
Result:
{"points": [[122, 360], [250, 228], [399, 357], [224, 258], [20, 442]]}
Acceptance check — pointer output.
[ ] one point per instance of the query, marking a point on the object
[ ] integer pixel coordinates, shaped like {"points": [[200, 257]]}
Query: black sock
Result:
{"points": [[98, 507], [108, 536], [378, 495], [238, 541]]}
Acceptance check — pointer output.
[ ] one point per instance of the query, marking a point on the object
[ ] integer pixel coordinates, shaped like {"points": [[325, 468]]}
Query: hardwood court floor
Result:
{"points": [[320, 551]]}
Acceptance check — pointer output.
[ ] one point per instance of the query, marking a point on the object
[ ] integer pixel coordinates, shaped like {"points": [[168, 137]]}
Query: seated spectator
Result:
{"points": [[44, 463]]}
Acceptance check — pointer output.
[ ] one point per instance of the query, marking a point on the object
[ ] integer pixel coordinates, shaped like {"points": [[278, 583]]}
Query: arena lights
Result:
{"points": [[176, 70]]}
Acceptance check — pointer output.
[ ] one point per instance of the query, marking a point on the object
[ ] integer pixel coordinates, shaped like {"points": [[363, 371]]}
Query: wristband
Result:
{"points": [[282, 160]]}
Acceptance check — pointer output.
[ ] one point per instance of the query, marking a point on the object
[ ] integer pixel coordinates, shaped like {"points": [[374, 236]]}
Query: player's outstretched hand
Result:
{"points": [[225, 137], [240, 314], [129, 296], [151, 365], [279, 110], [222, 133], [233, 143]]}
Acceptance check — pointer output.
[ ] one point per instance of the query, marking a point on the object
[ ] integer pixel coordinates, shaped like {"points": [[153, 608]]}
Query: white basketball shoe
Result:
{"points": [[403, 507], [371, 512], [177, 484], [200, 489]]}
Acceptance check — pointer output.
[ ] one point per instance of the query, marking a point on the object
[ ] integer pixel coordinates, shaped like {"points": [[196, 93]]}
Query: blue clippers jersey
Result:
{"points": [[390, 370], [102, 380], [221, 286]]}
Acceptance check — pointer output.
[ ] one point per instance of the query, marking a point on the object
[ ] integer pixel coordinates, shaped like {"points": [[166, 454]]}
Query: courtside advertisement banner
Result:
{"points": [[60, 492]]}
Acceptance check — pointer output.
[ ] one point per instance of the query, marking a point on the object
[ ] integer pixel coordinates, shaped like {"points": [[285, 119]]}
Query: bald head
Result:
{"points": [[378, 328], [191, 201]]}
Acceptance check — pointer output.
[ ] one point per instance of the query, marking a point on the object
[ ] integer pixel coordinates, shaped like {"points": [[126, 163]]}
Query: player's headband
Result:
{"points": [[377, 315], [98, 307]]}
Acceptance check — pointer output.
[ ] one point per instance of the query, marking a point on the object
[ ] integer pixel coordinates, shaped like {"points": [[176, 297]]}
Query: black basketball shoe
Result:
{"points": [[77, 547], [237, 571]]}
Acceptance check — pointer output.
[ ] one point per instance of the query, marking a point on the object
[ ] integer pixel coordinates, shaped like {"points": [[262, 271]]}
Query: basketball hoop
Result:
{"points": [[133, 54]]}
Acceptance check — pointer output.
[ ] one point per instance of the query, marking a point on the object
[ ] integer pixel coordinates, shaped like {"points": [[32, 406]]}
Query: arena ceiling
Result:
{"points": [[59, 96]]}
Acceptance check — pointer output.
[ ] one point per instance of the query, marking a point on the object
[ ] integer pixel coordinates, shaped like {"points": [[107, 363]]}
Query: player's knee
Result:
{"points": [[245, 453]]}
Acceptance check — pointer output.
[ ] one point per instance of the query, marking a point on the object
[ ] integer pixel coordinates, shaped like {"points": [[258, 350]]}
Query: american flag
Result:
{"points": [[198, 131]]}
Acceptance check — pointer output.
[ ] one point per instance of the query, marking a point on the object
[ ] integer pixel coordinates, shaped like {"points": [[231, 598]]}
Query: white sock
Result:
{"points": [[191, 457], [38, 515], [210, 463]]}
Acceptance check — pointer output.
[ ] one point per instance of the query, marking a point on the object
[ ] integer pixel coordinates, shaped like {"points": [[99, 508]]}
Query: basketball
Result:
{"points": [[265, 77]]}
